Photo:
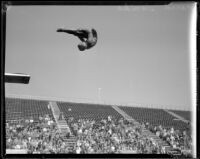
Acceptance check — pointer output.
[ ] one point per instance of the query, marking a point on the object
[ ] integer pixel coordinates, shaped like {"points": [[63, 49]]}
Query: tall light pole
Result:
{"points": [[99, 94]]}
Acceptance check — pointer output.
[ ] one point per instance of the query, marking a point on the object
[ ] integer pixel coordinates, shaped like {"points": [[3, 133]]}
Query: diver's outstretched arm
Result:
{"points": [[77, 32], [74, 32]]}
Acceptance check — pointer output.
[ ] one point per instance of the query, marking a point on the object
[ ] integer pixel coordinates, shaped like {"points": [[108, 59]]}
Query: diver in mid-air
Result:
{"points": [[88, 37]]}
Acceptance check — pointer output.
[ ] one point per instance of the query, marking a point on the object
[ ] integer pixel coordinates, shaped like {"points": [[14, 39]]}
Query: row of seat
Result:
{"points": [[154, 117], [185, 114], [87, 111], [26, 108], [16, 108]]}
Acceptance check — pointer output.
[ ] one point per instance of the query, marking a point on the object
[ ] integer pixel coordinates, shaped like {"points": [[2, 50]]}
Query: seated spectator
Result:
{"points": [[105, 136]]}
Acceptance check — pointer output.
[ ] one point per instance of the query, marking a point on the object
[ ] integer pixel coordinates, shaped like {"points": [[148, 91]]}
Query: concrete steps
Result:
{"points": [[125, 115], [144, 130], [71, 141], [62, 125], [176, 116]]}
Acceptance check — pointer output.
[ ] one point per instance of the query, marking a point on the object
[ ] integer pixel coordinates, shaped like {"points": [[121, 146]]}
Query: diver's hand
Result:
{"points": [[60, 30]]}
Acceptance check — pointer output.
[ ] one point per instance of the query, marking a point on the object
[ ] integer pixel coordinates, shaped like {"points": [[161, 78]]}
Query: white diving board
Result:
{"points": [[17, 78]]}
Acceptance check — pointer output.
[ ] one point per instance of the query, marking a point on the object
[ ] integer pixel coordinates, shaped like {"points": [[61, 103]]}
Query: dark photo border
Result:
{"points": [[4, 5]]}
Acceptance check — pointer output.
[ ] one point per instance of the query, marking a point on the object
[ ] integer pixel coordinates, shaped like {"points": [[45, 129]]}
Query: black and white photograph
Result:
{"points": [[101, 79]]}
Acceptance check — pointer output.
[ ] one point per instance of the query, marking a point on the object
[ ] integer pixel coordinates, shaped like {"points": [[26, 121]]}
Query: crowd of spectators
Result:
{"points": [[180, 141], [106, 136], [37, 137], [112, 136]]}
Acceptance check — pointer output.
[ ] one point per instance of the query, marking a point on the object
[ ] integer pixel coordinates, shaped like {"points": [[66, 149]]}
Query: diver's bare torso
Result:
{"points": [[88, 37]]}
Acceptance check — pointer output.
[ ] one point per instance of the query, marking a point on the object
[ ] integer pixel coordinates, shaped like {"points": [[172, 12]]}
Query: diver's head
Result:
{"points": [[82, 46], [94, 33]]}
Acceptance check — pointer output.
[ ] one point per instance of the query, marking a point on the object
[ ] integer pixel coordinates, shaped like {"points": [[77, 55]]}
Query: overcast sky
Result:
{"points": [[142, 54]]}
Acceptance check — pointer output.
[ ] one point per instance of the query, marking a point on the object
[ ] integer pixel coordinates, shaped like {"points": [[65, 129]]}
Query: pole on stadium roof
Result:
{"points": [[17, 78]]}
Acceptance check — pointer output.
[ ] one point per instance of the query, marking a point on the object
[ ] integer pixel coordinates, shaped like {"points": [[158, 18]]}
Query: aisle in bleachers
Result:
{"points": [[154, 117], [185, 114]]}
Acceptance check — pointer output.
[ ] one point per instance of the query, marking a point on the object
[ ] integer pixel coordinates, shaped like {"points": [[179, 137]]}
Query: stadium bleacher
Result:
{"points": [[17, 109], [184, 114], [26, 108], [87, 111], [155, 117]]}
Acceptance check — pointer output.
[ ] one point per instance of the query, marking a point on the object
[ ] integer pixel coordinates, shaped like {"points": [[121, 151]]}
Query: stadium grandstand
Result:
{"points": [[36, 126]]}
